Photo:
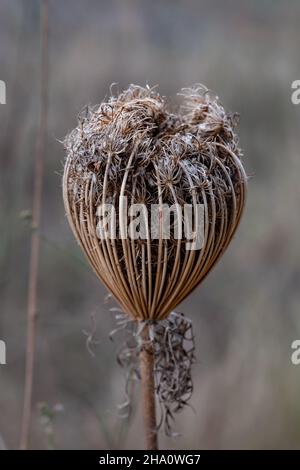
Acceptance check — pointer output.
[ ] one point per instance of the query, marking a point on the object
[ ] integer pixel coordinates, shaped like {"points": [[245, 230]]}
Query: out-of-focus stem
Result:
{"points": [[35, 237]]}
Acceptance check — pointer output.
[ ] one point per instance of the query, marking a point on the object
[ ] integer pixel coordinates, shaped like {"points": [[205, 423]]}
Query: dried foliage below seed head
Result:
{"points": [[133, 146], [172, 343]]}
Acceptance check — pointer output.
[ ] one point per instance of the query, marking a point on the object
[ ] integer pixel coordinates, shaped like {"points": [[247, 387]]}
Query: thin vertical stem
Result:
{"points": [[35, 237], [148, 391]]}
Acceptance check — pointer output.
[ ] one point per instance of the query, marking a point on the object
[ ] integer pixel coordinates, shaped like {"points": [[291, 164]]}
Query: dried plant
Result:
{"points": [[133, 146]]}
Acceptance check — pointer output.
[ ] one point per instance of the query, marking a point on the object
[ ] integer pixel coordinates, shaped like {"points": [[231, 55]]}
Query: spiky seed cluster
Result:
{"points": [[133, 146], [173, 346]]}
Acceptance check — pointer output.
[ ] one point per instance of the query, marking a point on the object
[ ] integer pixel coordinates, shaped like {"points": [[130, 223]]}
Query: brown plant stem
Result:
{"points": [[35, 236], [148, 391]]}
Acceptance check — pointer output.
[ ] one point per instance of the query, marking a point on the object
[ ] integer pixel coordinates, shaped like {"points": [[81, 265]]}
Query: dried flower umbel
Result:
{"points": [[133, 146]]}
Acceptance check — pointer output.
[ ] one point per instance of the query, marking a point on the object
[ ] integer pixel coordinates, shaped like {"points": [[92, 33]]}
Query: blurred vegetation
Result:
{"points": [[246, 314]]}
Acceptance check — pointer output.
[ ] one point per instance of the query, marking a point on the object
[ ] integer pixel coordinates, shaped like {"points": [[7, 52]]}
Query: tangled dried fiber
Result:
{"points": [[133, 146], [172, 340]]}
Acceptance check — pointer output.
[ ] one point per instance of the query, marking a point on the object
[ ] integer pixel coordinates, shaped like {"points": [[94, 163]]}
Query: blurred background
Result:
{"points": [[246, 313]]}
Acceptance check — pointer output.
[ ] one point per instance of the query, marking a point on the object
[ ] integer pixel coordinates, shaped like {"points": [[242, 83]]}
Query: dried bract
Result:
{"points": [[133, 146]]}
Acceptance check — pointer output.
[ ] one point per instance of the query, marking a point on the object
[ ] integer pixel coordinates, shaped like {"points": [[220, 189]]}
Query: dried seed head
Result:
{"points": [[133, 146]]}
